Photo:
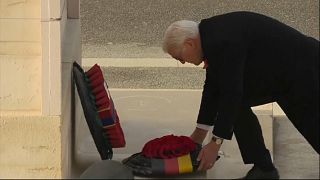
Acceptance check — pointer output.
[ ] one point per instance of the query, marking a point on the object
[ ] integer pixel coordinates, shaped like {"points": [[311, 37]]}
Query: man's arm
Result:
{"points": [[208, 108], [209, 100], [230, 82], [228, 96]]}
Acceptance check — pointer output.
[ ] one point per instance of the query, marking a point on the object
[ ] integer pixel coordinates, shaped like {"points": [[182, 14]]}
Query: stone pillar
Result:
{"points": [[35, 87]]}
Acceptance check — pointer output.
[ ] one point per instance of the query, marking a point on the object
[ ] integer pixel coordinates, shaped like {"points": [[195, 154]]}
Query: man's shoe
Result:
{"points": [[257, 173]]}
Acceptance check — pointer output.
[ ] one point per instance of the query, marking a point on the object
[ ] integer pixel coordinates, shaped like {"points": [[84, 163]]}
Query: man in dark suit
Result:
{"points": [[250, 60]]}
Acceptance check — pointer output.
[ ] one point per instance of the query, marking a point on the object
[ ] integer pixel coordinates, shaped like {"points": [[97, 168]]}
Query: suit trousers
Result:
{"points": [[248, 133], [301, 106]]}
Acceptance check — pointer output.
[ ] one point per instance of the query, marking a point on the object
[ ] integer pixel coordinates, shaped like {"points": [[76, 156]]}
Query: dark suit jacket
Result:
{"points": [[253, 59]]}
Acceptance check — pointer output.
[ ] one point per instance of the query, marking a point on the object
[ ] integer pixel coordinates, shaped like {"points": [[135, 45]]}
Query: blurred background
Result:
{"points": [[134, 28]]}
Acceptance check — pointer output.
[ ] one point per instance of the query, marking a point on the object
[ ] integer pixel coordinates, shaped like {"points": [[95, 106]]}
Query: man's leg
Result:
{"points": [[250, 140], [301, 102], [305, 117]]}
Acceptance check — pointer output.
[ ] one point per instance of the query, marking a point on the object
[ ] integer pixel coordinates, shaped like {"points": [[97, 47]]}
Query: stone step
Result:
{"points": [[148, 73], [293, 156]]}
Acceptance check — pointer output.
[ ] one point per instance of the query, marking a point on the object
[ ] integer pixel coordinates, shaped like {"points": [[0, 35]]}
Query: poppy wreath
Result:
{"points": [[99, 110], [169, 146], [169, 155]]}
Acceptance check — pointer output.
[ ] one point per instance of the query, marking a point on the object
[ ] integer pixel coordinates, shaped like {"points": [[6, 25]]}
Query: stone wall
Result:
{"points": [[35, 87]]}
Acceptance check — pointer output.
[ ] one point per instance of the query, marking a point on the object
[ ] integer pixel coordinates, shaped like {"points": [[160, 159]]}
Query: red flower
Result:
{"points": [[169, 146]]}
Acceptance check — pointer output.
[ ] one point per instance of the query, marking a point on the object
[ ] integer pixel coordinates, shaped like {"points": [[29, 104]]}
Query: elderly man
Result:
{"points": [[250, 60]]}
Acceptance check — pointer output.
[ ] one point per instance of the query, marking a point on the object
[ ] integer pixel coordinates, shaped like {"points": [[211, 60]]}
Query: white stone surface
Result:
{"points": [[135, 62], [29, 9], [20, 48], [30, 147], [51, 68], [20, 30], [20, 83], [35, 134]]}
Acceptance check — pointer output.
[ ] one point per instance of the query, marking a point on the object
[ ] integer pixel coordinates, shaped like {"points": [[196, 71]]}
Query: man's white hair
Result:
{"points": [[178, 32]]}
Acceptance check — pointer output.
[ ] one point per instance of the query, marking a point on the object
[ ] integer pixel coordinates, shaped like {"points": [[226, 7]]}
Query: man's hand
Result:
{"points": [[208, 156], [198, 135]]}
